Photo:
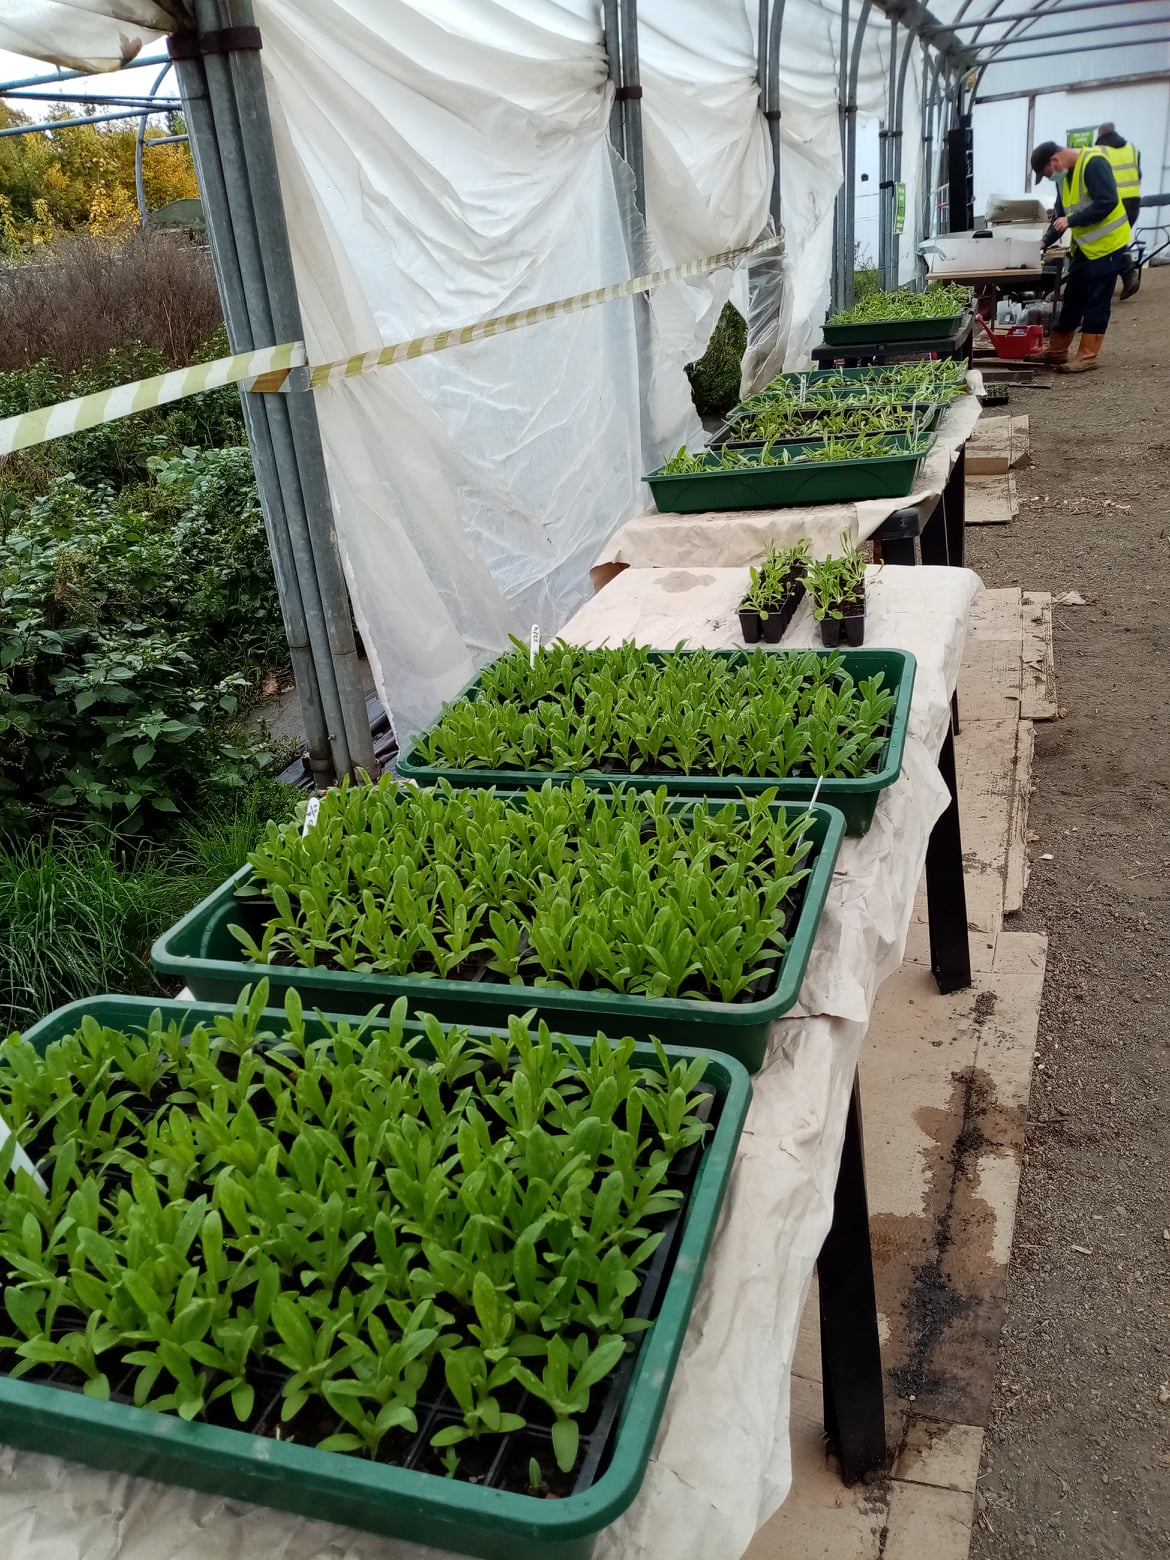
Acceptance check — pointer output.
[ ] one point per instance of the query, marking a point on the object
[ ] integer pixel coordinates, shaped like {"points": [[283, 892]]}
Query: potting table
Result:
{"points": [[721, 1464], [856, 354]]}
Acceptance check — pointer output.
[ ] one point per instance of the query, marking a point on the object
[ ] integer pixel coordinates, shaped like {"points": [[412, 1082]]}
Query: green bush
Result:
{"points": [[80, 909], [715, 377], [129, 638]]}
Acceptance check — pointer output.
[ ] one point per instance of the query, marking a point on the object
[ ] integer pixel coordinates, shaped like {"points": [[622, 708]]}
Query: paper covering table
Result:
{"points": [[721, 1464]]}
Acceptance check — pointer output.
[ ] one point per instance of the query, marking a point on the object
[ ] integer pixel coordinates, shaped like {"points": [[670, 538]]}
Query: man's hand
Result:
{"points": [[1060, 225]]}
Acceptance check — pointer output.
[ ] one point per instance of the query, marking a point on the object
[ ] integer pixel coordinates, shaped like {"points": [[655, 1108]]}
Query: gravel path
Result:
{"points": [[1077, 1458]]}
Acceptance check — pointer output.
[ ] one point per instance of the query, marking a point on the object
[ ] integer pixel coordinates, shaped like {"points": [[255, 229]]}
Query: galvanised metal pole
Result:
{"points": [[849, 240], [240, 104], [772, 101], [205, 152], [886, 191], [837, 282], [632, 100], [139, 186]]}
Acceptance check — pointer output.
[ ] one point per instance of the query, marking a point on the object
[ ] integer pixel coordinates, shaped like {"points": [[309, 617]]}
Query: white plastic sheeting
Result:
{"points": [[721, 1463], [95, 35], [445, 162]]}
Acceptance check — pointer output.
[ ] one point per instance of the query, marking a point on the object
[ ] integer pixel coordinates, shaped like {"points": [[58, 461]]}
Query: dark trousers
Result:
{"points": [[1088, 292]]}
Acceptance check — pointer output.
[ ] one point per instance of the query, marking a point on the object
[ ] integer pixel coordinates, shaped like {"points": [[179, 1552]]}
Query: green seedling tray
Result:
{"points": [[419, 1507], [854, 799], [783, 487], [201, 951], [938, 327], [928, 422]]}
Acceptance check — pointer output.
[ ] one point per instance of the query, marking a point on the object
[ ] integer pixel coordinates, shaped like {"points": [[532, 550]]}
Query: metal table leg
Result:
{"points": [[851, 1361], [946, 894]]}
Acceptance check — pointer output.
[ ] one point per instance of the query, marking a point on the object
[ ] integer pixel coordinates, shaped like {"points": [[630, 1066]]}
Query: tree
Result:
{"points": [[83, 177]]}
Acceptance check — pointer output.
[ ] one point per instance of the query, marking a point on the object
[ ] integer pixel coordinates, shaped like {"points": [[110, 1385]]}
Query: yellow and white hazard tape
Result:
{"points": [[271, 370], [87, 411], [500, 324]]}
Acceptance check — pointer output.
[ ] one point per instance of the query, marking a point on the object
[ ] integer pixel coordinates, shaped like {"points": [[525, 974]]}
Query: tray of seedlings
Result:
{"points": [[904, 315], [415, 1278], [786, 424], [702, 722], [781, 476], [775, 590], [836, 589], [625, 911], [936, 381]]}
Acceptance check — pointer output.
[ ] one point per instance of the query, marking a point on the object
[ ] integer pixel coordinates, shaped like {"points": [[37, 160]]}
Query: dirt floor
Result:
{"points": [[1077, 1459]]}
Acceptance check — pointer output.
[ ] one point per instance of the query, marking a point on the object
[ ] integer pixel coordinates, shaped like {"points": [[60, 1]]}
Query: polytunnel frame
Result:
{"points": [[225, 104]]}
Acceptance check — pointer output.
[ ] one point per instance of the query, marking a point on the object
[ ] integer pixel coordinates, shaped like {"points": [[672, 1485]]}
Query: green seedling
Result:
{"points": [[504, 1194]]}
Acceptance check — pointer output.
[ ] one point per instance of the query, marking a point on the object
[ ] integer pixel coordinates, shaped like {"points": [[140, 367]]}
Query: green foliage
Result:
{"points": [[137, 609], [751, 457], [116, 453], [715, 377], [836, 582], [938, 302], [780, 571], [78, 911], [839, 419], [624, 709], [372, 1214], [932, 382], [568, 887]]}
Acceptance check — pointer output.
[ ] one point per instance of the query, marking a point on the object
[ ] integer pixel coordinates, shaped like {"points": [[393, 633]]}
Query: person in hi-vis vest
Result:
{"points": [[1126, 162], [1089, 208]]}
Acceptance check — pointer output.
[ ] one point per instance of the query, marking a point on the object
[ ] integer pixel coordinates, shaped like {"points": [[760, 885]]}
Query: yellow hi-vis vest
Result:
{"points": [[1103, 238], [1125, 169]]}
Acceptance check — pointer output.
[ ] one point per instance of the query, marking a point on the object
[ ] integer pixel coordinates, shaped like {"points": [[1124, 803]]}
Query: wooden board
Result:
{"points": [[989, 449], [1021, 442], [1038, 684], [991, 678], [991, 500], [1017, 867]]}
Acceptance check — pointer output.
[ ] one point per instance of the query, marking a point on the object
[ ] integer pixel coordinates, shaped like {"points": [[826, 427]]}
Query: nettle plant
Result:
{"points": [[567, 887], [630, 710], [244, 1223], [837, 583]]}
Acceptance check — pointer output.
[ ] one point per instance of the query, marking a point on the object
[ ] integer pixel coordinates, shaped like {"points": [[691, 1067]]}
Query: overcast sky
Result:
{"points": [[127, 83]]}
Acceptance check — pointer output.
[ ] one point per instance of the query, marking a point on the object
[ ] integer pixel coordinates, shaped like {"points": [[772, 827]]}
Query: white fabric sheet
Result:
{"points": [[721, 1464]]}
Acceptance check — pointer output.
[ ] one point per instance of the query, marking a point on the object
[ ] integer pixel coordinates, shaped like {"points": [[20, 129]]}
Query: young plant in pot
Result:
{"points": [[837, 588], [774, 593]]}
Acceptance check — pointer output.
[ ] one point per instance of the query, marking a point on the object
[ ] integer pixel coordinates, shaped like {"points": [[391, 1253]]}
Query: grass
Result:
{"points": [[79, 910]]}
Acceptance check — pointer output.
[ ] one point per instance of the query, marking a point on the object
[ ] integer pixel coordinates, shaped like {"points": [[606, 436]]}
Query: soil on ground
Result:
{"points": [[1077, 1458]]}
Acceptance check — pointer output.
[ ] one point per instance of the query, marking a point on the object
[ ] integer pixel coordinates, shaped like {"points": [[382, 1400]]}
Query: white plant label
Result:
{"points": [[20, 1160], [311, 812], [533, 644]]}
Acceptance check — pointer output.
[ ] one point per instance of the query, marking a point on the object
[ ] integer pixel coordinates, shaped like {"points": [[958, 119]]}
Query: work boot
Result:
{"points": [[1130, 282], [1086, 357], [1058, 344]]}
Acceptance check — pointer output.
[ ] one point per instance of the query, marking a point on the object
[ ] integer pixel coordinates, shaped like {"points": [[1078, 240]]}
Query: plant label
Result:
{"points": [[20, 1160], [533, 643], [311, 812]]}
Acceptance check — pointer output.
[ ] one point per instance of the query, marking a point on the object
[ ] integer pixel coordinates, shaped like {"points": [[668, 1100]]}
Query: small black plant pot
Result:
{"points": [[848, 629], [749, 625], [773, 625]]}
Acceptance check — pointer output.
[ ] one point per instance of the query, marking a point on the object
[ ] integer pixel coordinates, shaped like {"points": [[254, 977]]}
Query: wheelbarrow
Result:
{"points": [[1016, 342]]}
